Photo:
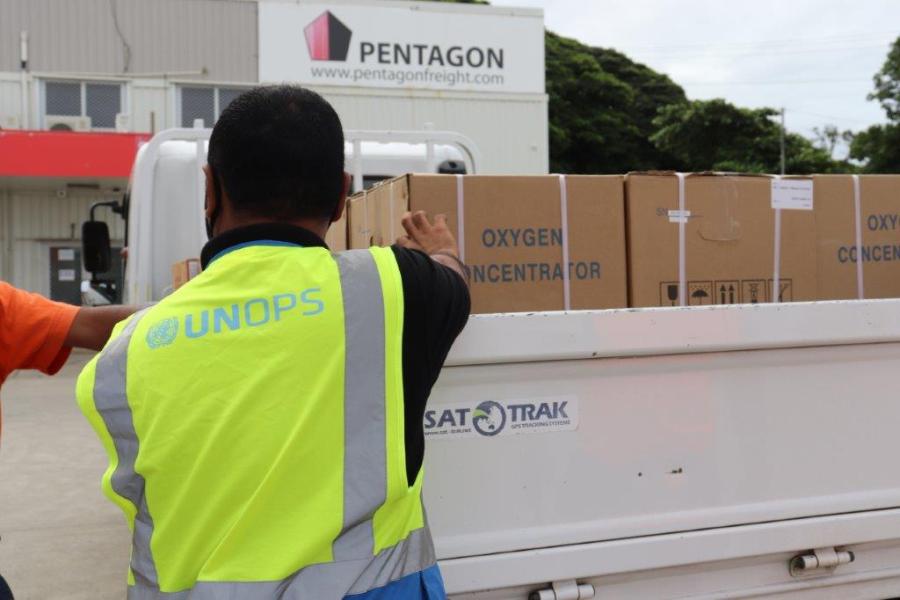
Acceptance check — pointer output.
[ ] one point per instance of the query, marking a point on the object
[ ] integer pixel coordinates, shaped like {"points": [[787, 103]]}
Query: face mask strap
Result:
{"points": [[217, 194]]}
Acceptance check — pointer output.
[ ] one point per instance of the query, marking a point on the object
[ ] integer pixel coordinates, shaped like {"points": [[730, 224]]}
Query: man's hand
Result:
{"points": [[422, 235], [94, 324], [434, 240]]}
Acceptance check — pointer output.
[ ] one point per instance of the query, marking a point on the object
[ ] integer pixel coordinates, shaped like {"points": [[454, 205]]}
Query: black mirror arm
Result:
{"points": [[116, 206]]}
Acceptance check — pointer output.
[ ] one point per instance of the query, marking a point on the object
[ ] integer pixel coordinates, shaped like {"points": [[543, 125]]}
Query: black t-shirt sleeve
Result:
{"points": [[436, 307]]}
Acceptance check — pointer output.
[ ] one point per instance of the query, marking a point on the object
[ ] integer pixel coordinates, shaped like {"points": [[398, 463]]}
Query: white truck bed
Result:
{"points": [[701, 450], [713, 445]]}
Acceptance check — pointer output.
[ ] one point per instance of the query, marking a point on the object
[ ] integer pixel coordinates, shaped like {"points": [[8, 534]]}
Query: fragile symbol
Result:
{"points": [[668, 293]]}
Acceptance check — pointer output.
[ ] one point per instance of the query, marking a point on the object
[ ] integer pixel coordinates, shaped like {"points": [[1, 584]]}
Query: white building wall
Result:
{"points": [[6, 244], [39, 221], [199, 39], [509, 129], [10, 100], [149, 102], [151, 105]]}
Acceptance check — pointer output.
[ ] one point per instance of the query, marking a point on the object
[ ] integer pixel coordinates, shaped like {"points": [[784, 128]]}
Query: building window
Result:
{"points": [[99, 101], [63, 98], [102, 102], [205, 103]]}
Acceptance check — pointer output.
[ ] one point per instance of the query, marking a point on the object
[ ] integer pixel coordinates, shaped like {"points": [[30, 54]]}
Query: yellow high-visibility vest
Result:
{"points": [[255, 429]]}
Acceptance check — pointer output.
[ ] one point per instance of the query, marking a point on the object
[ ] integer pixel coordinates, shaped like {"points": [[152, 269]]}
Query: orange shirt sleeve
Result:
{"points": [[33, 331]]}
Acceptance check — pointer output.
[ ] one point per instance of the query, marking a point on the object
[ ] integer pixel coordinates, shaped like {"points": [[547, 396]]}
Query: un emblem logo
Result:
{"points": [[163, 333]]}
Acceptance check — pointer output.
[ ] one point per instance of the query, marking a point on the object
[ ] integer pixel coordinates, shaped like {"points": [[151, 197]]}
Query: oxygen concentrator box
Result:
{"points": [[514, 232], [875, 204], [723, 229]]}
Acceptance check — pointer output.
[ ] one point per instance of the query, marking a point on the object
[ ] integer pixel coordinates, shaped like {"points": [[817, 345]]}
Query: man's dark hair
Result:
{"points": [[279, 152]]}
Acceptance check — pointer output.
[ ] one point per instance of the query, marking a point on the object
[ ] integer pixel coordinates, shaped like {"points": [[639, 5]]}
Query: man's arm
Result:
{"points": [[93, 325], [37, 333], [435, 240], [436, 306]]}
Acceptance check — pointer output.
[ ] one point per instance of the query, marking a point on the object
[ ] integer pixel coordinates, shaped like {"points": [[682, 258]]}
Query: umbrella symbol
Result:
{"points": [[699, 295]]}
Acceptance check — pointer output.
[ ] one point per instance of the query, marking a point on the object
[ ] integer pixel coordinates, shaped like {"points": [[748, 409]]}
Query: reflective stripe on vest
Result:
{"points": [[315, 582], [111, 400], [358, 563]]}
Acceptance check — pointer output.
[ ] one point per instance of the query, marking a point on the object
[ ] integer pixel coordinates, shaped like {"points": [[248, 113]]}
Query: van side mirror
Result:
{"points": [[452, 167], [95, 246]]}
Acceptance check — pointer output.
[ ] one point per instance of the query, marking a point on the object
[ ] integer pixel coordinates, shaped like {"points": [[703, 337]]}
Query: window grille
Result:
{"points": [[205, 103]]}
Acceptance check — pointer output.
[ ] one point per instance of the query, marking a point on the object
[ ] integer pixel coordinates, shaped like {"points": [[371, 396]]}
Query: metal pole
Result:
{"points": [[358, 184], [429, 156], [783, 159], [23, 65]]}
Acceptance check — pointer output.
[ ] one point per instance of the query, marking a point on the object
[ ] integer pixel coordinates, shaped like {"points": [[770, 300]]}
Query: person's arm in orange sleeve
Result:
{"points": [[37, 333]]}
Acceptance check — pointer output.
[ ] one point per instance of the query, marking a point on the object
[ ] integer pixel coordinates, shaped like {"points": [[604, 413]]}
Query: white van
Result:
{"points": [[164, 203]]}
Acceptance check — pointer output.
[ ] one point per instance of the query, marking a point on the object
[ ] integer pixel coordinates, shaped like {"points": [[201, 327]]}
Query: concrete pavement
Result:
{"points": [[59, 536]]}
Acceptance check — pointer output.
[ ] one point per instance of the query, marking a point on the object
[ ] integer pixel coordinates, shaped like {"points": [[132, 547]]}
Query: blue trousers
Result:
{"points": [[5, 592]]}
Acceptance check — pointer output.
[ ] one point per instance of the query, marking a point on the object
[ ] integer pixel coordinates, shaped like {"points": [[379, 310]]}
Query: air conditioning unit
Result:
{"points": [[123, 122], [67, 123], [10, 122]]}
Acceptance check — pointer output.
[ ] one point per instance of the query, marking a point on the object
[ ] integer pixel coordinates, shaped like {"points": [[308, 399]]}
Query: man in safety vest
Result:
{"points": [[264, 421]]}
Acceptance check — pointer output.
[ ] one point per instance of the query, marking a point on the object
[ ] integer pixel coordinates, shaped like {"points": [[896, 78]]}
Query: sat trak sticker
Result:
{"points": [[494, 418]]}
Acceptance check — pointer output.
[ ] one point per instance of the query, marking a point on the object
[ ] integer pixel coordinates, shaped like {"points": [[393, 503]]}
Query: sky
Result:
{"points": [[815, 58]]}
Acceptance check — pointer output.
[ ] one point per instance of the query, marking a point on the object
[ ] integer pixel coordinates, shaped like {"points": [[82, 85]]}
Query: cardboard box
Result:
{"points": [[879, 198], [729, 241], [183, 271], [512, 235], [336, 238]]}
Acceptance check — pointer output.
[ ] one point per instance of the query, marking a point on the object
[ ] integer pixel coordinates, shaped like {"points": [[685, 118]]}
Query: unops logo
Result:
{"points": [[489, 418], [163, 333]]}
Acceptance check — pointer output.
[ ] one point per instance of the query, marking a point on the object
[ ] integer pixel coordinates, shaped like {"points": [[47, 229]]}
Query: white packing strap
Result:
{"points": [[683, 216], [564, 220], [857, 208], [776, 267], [366, 228], [460, 218], [393, 229]]}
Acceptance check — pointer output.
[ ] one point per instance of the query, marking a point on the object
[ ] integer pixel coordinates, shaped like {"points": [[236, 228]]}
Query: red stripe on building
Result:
{"points": [[68, 154]]}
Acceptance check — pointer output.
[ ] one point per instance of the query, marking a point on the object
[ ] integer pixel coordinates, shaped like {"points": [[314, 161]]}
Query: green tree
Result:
{"points": [[887, 83], [602, 106], [878, 147], [717, 135], [828, 137], [652, 91], [590, 128]]}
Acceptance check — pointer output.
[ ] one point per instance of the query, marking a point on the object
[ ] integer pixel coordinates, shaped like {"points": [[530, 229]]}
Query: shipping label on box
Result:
{"points": [[792, 194], [512, 235], [729, 242], [842, 275]]}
